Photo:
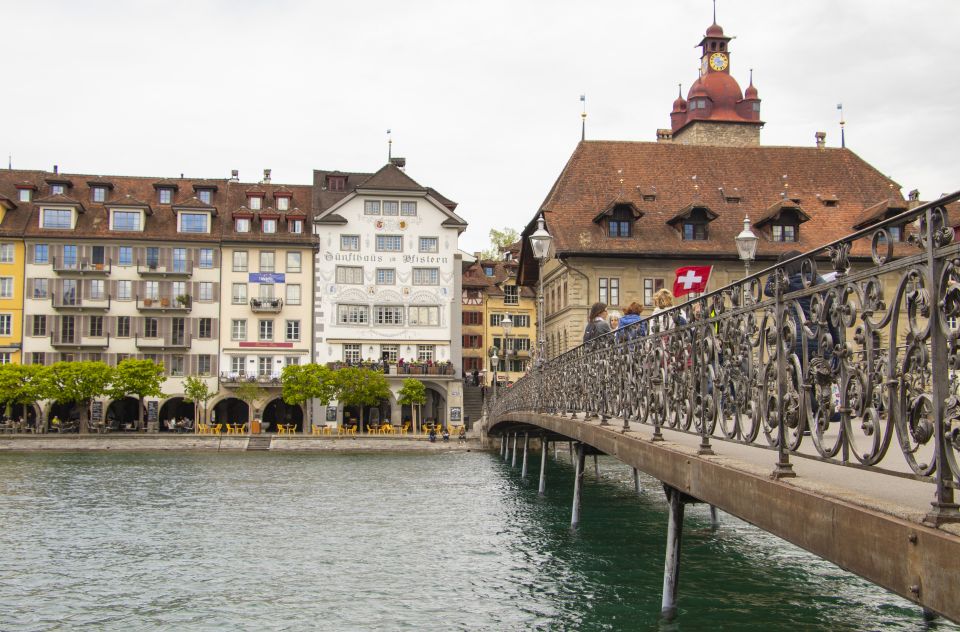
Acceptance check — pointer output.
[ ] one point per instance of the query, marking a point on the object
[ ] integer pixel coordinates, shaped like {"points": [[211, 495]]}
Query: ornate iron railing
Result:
{"points": [[850, 361]]}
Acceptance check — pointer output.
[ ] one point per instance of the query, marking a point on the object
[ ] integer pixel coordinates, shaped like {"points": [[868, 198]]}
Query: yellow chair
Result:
{"points": [[281, 429], [405, 428], [386, 429], [243, 428], [317, 430], [326, 429], [217, 429]]}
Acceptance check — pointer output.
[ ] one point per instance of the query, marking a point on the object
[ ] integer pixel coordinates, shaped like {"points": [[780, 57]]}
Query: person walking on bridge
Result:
{"points": [[597, 324]]}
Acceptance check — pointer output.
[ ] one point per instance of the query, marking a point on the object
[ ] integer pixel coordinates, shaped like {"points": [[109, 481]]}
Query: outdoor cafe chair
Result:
{"points": [[405, 428]]}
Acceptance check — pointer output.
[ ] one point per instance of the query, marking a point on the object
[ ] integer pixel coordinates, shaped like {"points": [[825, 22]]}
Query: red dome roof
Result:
{"points": [[722, 89], [750, 92], [697, 89], [679, 104], [714, 30]]}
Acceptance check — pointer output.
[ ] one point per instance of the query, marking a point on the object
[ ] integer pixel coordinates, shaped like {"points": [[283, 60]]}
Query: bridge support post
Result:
{"points": [[671, 565], [503, 445], [506, 447], [570, 448], [542, 488], [526, 446], [596, 466], [578, 486], [636, 480], [714, 518], [513, 463]]}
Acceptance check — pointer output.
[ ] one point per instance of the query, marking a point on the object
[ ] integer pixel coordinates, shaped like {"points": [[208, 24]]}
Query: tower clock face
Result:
{"points": [[719, 61]]}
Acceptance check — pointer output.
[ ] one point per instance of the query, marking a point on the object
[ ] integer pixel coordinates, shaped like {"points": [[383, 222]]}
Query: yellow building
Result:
{"points": [[11, 281]]}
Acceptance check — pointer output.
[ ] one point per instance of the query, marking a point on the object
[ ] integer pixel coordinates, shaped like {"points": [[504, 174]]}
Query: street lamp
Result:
{"points": [[494, 363], [507, 324], [540, 242], [746, 247]]}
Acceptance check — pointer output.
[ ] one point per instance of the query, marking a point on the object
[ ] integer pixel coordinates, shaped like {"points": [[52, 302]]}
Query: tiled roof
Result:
{"points": [[879, 211], [392, 178]]}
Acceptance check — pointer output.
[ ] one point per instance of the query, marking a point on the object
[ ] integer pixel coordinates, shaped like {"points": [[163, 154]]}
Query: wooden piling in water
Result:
{"points": [[671, 565], [542, 488], [578, 486], [526, 447]]}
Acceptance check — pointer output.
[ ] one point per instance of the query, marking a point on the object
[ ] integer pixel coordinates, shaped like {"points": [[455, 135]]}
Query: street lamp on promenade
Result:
{"points": [[747, 249], [507, 324], [540, 242]]}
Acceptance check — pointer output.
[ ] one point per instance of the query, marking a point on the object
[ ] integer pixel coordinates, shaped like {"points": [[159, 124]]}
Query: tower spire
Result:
{"points": [[714, 11], [843, 139], [389, 146], [583, 118]]}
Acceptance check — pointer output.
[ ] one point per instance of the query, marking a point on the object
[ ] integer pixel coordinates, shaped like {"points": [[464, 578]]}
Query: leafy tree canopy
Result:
{"points": [[303, 382], [499, 240], [22, 383], [361, 387], [249, 392], [412, 392], [195, 389], [78, 382], [140, 378]]}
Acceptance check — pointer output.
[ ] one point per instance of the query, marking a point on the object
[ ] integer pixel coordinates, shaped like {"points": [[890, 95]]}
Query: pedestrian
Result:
{"points": [[597, 324], [446, 435], [462, 436], [433, 434], [614, 317], [663, 301], [631, 316]]}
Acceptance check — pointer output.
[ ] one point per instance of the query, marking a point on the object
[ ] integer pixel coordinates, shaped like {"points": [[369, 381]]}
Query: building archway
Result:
{"points": [[175, 408], [122, 413], [278, 411], [68, 414], [435, 408], [230, 410]]}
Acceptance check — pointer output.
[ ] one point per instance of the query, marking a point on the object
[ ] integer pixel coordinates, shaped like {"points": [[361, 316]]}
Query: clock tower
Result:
{"points": [[715, 56]]}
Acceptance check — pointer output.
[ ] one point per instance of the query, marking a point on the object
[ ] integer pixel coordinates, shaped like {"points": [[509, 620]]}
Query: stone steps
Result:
{"points": [[259, 442]]}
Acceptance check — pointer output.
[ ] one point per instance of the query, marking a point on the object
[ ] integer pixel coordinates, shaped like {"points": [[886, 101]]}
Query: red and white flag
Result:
{"points": [[691, 279]]}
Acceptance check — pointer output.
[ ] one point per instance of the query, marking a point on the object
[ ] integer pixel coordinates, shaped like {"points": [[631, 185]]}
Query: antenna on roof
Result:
{"points": [[714, 11], [843, 139], [389, 146], [583, 118]]}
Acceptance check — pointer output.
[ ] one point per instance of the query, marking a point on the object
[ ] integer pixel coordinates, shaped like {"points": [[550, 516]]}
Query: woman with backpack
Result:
{"points": [[597, 324]]}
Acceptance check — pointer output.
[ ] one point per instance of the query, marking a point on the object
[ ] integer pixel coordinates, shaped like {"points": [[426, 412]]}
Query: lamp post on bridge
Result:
{"points": [[494, 363], [540, 242], [746, 245], [507, 324]]}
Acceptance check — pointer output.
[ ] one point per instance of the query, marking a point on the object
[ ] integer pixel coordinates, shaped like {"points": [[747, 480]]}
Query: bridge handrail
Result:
{"points": [[785, 350]]}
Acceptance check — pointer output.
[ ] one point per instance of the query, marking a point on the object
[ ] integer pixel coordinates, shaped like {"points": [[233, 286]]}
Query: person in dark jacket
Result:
{"points": [[597, 324], [632, 315]]}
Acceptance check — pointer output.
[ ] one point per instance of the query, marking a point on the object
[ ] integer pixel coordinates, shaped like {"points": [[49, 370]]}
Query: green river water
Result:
{"points": [[453, 541]]}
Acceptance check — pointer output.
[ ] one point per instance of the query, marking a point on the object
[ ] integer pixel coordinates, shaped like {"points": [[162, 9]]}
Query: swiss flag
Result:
{"points": [[691, 279]]}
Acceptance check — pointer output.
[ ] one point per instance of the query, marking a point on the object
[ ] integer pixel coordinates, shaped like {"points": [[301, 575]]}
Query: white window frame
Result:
{"points": [[388, 315], [432, 244], [238, 298], [126, 211], [265, 265], [294, 261], [6, 287], [265, 330], [386, 276], [349, 275], [371, 207], [244, 263], [241, 224], [293, 331], [45, 211], [283, 203], [268, 225], [416, 313], [294, 294], [205, 291], [346, 241], [383, 241], [432, 274], [255, 202], [6, 324], [353, 315], [206, 220], [7, 253], [408, 208], [238, 329]]}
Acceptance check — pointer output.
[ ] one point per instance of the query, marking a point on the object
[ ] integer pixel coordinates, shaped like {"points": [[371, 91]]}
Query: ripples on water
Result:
{"points": [[190, 541]]}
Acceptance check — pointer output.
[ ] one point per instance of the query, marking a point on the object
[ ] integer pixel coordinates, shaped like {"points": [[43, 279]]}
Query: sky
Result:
{"points": [[482, 98]]}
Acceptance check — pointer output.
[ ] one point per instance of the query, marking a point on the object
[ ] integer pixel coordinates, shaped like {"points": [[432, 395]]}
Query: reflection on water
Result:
{"points": [[257, 541]]}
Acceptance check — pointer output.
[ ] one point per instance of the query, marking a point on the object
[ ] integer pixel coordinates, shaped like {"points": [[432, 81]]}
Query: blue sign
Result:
{"points": [[267, 277]]}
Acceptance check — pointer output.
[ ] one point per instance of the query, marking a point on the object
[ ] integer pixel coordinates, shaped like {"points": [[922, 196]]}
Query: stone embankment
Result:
{"points": [[231, 442]]}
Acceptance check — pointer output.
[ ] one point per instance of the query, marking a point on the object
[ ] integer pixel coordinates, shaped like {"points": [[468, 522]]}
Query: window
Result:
{"points": [[336, 183], [350, 274], [41, 253], [40, 288], [238, 330], [123, 326], [239, 293], [429, 244], [618, 228], [408, 208], [37, 357], [386, 276], [151, 327], [206, 290], [293, 330], [203, 365], [255, 202], [520, 320], [125, 256], [165, 195], [293, 294], [176, 365], [56, 189], [206, 258], [205, 195], [6, 287], [295, 225], [194, 222], [153, 257], [610, 291], [266, 330], [896, 232], [25, 195], [151, 289], [266, 291], [57, 219], [353, 314], [97, 289], [98, 194], [293, 262], [651, 287], [425, 353], [238, 364], [351, 353], [5, 357], [390, 353], [426, 276], [511, 295], [39, 326], [371, 207], [6, 324], [283, 203], [95, 329], [126, 220], [6, 253], [69, 256], [266, 261], [242, 224], [350, 242], [389, 243], [488, 270], [421, 316], [388, 314], [179, 259], [391, 207], [472, 318], [239, 260], [694, 231], [471, 341], [784, 232], [205, 329], [268, 225]]}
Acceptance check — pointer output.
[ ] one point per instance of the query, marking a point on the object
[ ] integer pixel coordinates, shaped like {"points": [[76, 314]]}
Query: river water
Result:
{"points": [[456, 541]]}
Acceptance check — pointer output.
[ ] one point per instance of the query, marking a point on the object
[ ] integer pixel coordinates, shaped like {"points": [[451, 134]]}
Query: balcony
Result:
{"points": [[165, 304], [60, 341], [73, 303], [166, 269], [81, 268], [266, 305], [172, 342], [233, 380]]}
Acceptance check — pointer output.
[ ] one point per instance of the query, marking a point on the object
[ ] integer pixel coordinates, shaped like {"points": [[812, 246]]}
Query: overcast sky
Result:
{"points": [[483, 97]]}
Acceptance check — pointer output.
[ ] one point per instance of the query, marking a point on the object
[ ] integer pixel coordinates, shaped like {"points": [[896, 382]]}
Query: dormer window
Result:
{"points": [[57, 219], [98, 193], [695, 231], [692, 222], [193, 222], [784, 219], [205, 195], [785, 232], [488, 270], [269, 226], [620, 223], [896, 232], [25, 195], [165, 195], [57, 189], [295, 225], [242, 224], [336, 183], [124, 220], [283, 203], [255, 202]]}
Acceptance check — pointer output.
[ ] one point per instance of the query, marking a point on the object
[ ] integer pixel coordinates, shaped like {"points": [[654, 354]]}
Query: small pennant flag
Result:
{"points": [[691, 279]]}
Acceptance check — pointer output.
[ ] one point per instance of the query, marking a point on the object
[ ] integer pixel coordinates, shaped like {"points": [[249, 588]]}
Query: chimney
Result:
{"points": [[914, 196], [398, 162], [235, 175], [664, 136], [821, 139], [266, 176], [56, 169]]}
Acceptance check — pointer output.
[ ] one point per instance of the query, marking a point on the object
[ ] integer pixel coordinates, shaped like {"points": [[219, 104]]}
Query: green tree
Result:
{"points": [[140, 378], [499, 240], [411, 393], [248, 393], [303, 382], [21, 384], [361, 387], [196, 390], [77, 383]]}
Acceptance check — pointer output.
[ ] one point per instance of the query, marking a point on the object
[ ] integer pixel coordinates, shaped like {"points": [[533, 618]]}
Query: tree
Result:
{"points": [[21, 384], [361, 387], [249, 392], [412, 392], [77, 383], [195, 390], [303, 382], [499, 240], [142, 378]]}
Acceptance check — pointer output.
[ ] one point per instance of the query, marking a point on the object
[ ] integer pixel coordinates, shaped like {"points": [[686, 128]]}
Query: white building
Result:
{"points": [[387, 286]]}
